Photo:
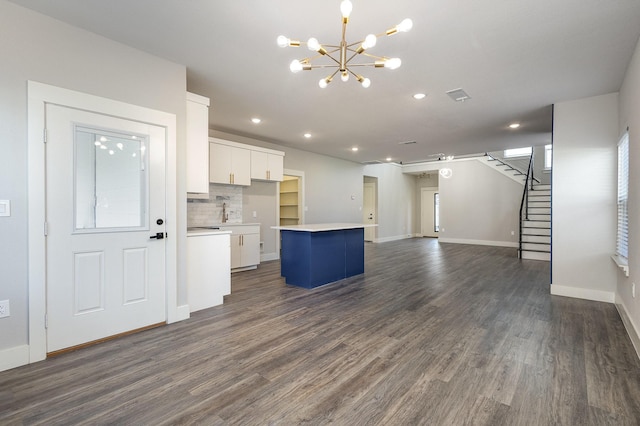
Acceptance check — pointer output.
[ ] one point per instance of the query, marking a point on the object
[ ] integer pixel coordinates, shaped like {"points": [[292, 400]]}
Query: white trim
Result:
{"points": [[622, 263], [629, 325], [394, 238], [268, 257], [479, 242], [183, 312], [14, 357], [38, 95], [245, 146], [583, 293]]}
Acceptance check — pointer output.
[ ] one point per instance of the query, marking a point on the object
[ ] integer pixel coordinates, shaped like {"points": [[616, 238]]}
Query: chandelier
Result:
{"points": [[344, 53]]}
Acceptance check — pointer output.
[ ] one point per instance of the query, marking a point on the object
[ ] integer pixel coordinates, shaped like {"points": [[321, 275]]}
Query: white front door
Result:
{"points": [[369, 210], [105, 212], [428, 220]]}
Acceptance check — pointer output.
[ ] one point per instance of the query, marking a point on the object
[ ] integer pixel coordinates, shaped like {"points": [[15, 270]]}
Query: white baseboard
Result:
{"points": [[266, 257], [394, 238], [14, 357], [583, 293], [183, 312], [631, 328], [479, 242]]}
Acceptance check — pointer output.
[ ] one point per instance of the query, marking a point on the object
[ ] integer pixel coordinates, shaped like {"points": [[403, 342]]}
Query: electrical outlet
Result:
{"points": [[4, 308]]}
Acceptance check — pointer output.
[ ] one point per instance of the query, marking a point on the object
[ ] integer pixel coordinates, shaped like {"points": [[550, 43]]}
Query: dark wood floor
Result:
{"points": [[437, 334]]}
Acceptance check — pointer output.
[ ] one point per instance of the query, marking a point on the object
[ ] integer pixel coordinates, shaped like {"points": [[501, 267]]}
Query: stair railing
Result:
{"points": [[524, 204]]}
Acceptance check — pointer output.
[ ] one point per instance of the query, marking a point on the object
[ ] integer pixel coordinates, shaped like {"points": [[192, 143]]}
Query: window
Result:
{"points": [[622, 238], [517, 152], [548, 156]]}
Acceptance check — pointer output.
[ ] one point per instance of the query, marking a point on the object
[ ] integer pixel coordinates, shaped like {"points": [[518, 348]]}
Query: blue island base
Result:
{"points": [[312, 259]]}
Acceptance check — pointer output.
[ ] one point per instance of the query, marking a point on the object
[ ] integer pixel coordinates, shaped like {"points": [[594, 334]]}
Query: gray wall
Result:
{"points": [[478, 204], [396, 201], [630, 117], [584, 196], [35, 47]]}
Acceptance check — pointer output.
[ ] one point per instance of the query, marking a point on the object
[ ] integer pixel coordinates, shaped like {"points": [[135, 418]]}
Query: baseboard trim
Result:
{"points": [[479, 242], [394, 238], [583, 293], [183, 312], [14, 357], [268, 257], [631, 328]]}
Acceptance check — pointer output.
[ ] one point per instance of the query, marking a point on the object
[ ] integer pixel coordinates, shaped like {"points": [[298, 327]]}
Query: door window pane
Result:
{"points": [[110, 180]]}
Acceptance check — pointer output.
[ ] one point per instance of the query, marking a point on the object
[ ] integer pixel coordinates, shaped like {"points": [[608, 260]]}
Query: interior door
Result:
{"points": [[105, 204], [369, 210], [428, 216]]}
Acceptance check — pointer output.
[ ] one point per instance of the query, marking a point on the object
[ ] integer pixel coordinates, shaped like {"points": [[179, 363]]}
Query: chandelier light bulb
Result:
{"points": [[345, 8], [313, 44], [283, 41], [369, 41], [295, 66], [364, 81], [324, 82], [393, 63], [344, 76], [405, 25]]}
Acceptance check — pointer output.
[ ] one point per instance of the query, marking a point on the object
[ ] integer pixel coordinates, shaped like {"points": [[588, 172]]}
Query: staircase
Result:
{"points": [[535, 235]]}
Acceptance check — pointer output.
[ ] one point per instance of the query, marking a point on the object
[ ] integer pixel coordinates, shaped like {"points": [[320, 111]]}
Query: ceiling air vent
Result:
{"points": [[372, 162], [458, 95], [406, 143]]}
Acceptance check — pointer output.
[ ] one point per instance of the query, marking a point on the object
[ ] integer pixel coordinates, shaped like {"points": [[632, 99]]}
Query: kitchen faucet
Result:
{"points": [[225, 215]]}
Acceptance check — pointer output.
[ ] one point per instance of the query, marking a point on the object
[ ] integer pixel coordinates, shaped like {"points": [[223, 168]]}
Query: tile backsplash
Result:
{"points": [[206, 212]]}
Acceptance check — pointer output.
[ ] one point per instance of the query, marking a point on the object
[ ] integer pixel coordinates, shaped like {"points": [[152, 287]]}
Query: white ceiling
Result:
{"points": [[515, 58]]}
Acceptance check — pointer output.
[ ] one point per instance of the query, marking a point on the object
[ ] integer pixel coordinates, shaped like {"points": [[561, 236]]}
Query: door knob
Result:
{"points": [[159, 236]]}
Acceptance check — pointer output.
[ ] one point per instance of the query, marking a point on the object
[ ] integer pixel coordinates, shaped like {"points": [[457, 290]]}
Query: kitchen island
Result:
{"points": [[318, 254]]}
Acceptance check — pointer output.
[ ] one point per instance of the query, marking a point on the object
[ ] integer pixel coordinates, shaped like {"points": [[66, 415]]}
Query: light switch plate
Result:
{"points": [[5, 208]]}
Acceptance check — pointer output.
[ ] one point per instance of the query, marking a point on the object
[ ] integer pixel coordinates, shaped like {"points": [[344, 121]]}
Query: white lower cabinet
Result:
{"points": [[208, 269], [245, 246]]}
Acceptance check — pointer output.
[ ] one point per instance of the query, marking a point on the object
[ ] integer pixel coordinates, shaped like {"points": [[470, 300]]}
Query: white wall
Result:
{"points": [[629, 108], [584, 192], [35, 47]]}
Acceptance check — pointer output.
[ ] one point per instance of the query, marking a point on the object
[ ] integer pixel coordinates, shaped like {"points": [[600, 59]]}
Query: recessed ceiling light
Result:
{"points": [[419, 96], [388, 158], [307, 135], [255, 120], [514, 125], [354, 149]]}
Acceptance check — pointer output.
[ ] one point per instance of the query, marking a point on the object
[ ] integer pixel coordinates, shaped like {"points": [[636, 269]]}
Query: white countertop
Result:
{"points": [[319, 227], [199, 232]]}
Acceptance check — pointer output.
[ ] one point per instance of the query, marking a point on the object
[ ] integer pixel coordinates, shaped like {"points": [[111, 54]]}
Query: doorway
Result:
{"points": [[370, 207], [430, 212]]}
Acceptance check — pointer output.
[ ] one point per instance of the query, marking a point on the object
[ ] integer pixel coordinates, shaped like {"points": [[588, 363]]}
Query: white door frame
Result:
{"points": [[370, 233], [423, 190], [40, 94], [301, 206]]}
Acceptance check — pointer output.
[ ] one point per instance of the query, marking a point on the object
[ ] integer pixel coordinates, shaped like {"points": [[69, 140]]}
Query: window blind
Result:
{"points": [[622, 238]]}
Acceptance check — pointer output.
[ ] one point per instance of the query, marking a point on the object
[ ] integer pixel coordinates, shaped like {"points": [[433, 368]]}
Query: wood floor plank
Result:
{"points": [[431, 333]]}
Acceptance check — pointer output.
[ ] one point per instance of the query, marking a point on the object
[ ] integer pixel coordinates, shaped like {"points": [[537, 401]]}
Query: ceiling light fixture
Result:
{"points": [[256, 120], [307, 135], [339, 53], [354, 149], [514, 125], [419, 96]]}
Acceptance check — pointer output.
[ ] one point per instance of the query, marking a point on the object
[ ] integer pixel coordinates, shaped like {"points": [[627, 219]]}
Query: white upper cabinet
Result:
{"points": [[267, 166], [197, 144], [229, 163]]}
